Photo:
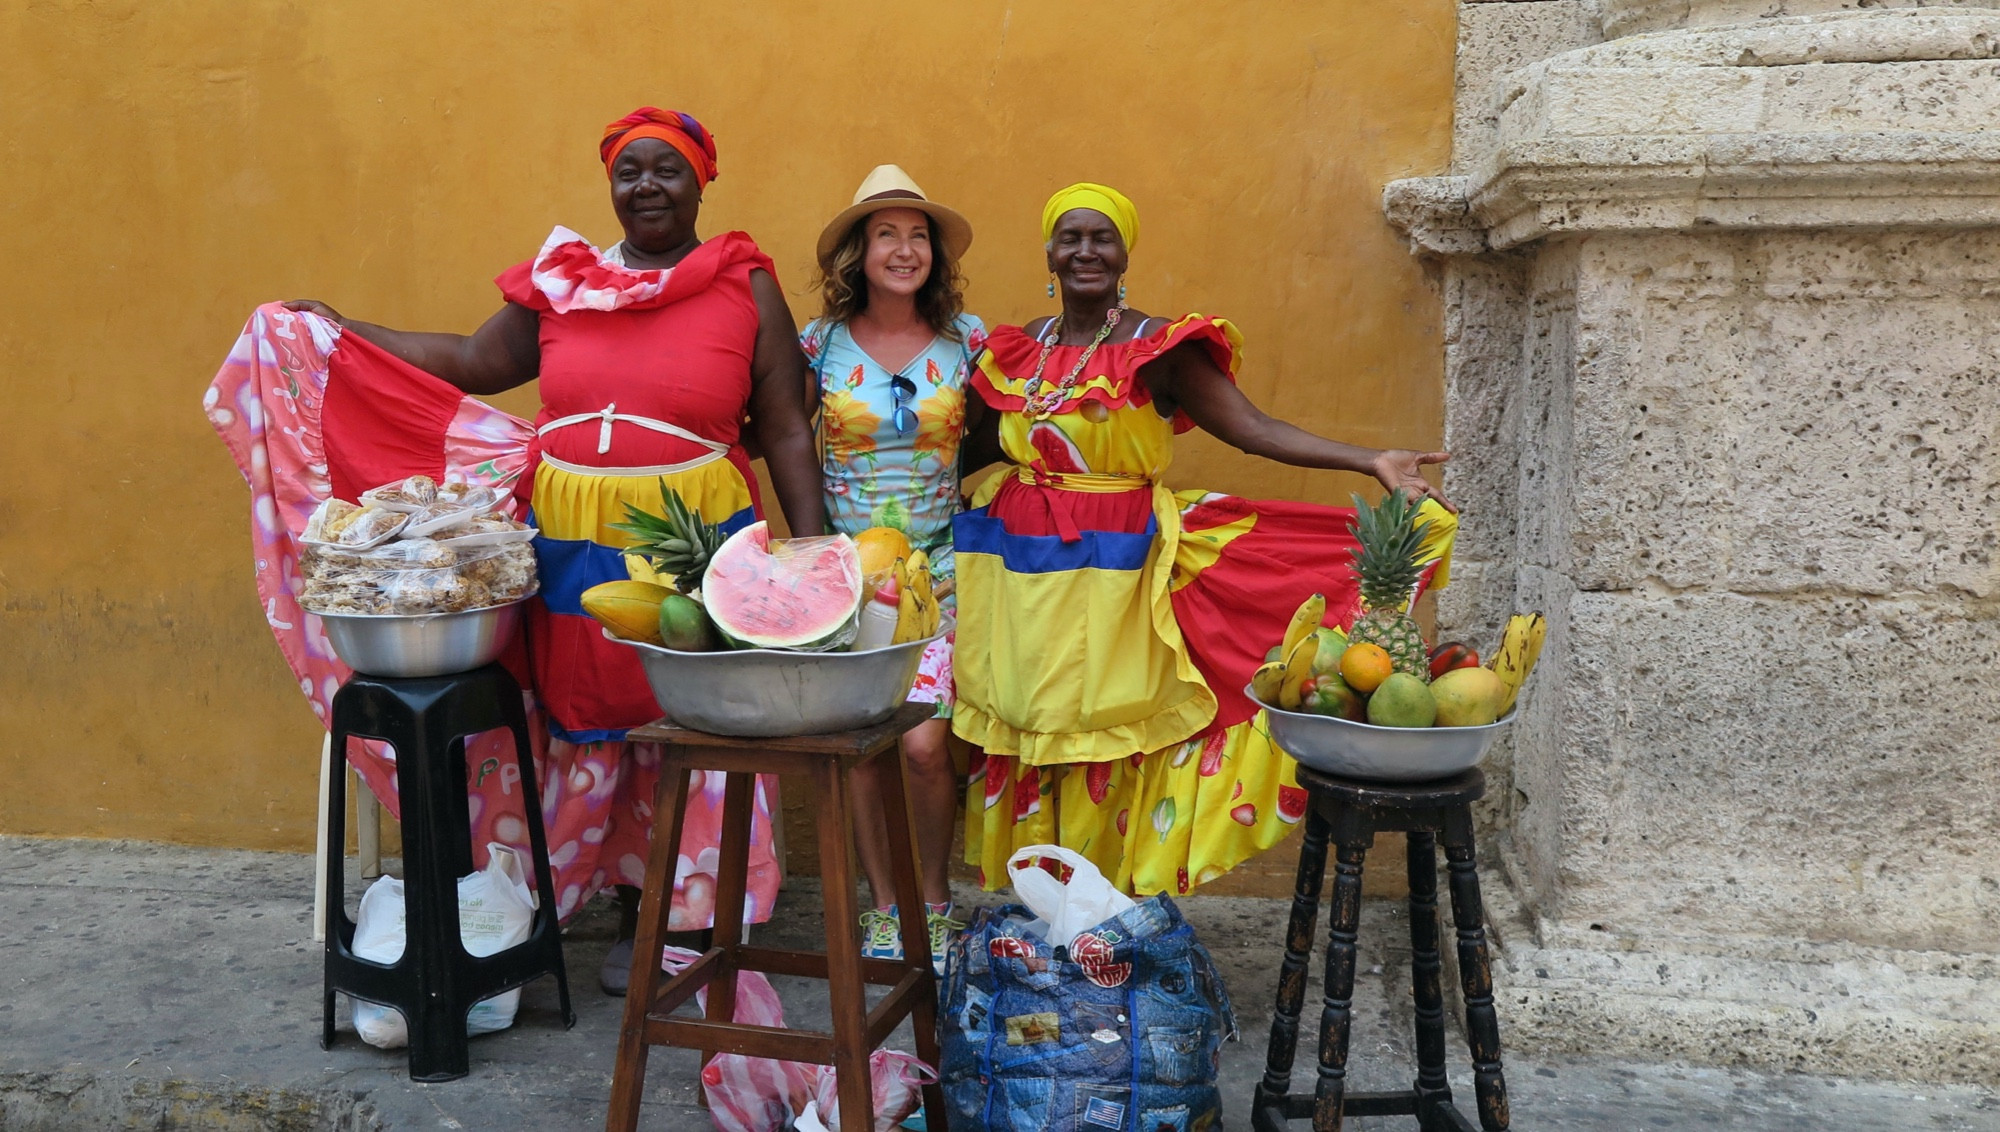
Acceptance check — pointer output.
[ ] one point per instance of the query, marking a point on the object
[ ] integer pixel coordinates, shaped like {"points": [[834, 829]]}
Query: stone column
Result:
{"points": [[1723, 297]]}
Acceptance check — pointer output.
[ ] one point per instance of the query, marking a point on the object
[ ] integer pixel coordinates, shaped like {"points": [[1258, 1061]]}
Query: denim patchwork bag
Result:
{"points": [[1121, 1031]]}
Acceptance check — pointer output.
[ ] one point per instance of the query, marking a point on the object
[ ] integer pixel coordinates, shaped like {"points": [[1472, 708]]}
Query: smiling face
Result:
{"points": [[897, 255], [656, 196], [1087, 254]]}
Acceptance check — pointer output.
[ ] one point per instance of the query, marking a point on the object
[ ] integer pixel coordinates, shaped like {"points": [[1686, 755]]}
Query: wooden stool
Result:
{"points": [[1351, 813], [831, 761]]}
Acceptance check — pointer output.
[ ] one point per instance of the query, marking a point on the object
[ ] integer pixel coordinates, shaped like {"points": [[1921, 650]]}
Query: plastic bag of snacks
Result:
{"points": [[372, 558]]}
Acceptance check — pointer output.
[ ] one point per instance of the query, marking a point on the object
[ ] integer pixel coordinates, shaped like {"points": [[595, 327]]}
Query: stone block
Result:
{"points": [[1788, 413], [1496, 39], [1734, 767]]}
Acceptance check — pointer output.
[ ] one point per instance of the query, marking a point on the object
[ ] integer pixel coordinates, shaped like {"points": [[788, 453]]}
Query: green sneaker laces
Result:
{"points": [[881, 933]]}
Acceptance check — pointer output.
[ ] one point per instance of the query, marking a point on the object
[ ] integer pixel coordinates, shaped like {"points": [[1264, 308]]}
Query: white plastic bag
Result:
{"points": [[495, 911], [1085, 901]]}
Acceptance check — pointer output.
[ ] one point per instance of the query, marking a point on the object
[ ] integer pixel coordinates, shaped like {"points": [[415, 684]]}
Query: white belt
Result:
{"points": [[609, 414]]}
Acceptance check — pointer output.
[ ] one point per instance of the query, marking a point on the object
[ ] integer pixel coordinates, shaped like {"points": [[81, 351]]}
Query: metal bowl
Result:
{"points": [[427, 644], [759, 693], [1384, 754]]}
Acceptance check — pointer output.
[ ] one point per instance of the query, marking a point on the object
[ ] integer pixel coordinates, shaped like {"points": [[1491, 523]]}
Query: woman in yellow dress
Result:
{"points": [[1107, 624]]}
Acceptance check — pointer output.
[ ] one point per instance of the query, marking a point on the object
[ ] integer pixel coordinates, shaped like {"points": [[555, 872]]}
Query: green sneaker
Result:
{"points": [[881, 934], [942, 928]]}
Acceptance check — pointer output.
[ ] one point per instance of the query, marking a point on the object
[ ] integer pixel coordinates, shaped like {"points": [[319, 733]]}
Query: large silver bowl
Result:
{"points": [[428, 644], [1384, 754], [759, 693]]}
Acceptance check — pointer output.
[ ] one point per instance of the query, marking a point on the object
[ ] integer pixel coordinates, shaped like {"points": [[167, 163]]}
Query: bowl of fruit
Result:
{"points": [[1345, 705]]}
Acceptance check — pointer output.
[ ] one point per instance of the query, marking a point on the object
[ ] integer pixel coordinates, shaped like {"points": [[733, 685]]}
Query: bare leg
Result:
{"points": [[934, 807]]}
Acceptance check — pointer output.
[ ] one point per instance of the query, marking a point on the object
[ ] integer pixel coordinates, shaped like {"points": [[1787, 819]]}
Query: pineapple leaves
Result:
{"points": [[678, 543]]}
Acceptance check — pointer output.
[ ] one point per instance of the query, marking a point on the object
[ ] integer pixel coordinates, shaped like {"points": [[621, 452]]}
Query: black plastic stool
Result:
{"points": [[435, 983], [1350, 813]]}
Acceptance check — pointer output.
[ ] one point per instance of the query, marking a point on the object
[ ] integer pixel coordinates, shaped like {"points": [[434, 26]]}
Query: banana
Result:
{"points": [[917, 613], [1298, 670], [1268, 682], [1304, 620], [1519, 648]]}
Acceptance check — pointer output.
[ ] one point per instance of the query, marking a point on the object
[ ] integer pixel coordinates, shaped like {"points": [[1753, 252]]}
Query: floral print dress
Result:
{"points": [[878, 474]]}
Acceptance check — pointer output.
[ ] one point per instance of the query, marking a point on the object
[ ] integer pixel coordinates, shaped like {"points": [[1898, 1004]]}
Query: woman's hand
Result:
{"points": [[314, 306], [1399, 468]]}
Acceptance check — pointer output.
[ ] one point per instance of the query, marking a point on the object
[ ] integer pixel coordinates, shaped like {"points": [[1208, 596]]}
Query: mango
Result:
{"points": [[684, 625], [1468, 697], [1402, 700]]}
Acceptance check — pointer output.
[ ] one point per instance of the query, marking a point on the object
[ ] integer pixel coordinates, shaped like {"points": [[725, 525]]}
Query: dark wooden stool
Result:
{"points": [[830, 760], [427, 721], [1351, 813]]}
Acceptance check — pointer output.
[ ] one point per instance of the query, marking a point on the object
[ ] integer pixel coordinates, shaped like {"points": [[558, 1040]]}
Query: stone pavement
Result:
{"points": [[155, 987]]}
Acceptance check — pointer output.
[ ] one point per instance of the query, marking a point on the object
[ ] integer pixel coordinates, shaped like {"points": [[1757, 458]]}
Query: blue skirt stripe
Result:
{"points": [[570, 566], [977, 532]]}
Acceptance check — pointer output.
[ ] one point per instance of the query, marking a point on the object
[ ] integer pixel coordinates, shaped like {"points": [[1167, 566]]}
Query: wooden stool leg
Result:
{"points": [[1475, 971], [1337, 1015], [843, 950], [628, 1078], [1284, 1044], [1427, 976], [732, 873], [915, 924]]}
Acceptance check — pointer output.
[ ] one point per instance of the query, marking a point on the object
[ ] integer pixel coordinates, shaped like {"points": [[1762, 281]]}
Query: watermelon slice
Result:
{"points": [[801, 594]]}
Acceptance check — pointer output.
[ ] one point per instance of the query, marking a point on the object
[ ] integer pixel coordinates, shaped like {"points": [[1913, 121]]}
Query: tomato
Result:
{"points": [[1452, 654]]}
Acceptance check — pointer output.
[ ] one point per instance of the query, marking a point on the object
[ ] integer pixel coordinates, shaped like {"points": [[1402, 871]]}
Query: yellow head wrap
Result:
{"points": [[1101, 198]]}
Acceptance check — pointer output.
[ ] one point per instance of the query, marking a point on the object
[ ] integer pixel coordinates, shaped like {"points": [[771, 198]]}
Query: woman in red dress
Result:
{"points": [[652, 357]]}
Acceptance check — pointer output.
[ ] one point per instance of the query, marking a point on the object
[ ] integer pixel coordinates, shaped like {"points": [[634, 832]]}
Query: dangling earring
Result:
{"points": [[1052, 284], [1121, 292]]}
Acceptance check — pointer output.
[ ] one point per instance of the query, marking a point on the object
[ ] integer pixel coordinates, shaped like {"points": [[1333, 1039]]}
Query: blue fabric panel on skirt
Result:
{"points": [[570, 566], [977, 532]]}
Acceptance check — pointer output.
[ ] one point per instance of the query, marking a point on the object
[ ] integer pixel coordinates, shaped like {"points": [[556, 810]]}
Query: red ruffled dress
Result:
{"points": [[644, 375]]}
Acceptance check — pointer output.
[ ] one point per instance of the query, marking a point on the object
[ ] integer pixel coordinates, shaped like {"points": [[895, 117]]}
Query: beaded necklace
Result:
{"points": [[1038, 402]]}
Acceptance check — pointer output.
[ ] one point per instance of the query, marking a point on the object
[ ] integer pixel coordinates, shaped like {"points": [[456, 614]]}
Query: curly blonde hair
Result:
{"points": [[843, 282]]}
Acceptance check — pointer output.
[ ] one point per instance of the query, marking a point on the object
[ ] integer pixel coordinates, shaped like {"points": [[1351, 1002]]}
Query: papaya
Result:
{"points": [[631, 610]]}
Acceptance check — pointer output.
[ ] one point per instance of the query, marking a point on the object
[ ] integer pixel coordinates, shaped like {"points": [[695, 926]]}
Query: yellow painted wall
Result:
{"points": [[169, 164]]}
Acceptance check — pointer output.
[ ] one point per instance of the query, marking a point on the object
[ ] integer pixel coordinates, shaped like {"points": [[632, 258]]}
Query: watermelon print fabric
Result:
{"points": [[1110, 624]]}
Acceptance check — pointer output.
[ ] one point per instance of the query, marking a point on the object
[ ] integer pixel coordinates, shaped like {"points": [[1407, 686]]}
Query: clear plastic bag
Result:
{"points": [[416, 576], [798, 594]]}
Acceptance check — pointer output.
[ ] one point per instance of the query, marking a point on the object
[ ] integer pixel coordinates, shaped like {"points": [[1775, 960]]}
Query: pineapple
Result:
{"points": [[678, 543], [1386, 563]]}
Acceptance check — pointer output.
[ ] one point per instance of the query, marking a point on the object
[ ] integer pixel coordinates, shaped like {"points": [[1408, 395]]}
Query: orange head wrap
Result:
{"points": [[671, 126]]}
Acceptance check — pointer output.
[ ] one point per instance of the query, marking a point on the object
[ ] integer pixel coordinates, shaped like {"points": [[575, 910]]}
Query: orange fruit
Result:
{"points": [[1365, 666]]}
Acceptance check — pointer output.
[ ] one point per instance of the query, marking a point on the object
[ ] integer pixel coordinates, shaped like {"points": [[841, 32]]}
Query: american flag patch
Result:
{"points": [[1104, 1113]]}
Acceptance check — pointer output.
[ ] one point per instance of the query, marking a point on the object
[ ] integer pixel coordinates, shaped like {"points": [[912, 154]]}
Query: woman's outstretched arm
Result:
{"points": [[504, 352], [1187, 378]]}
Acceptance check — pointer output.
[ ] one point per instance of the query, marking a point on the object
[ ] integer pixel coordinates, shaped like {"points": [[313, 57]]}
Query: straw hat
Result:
{"points": [[888, 186]]}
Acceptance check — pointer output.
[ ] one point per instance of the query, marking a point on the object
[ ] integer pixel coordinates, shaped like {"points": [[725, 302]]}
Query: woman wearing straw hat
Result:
{"points": [[892, 349], [1109, 622]]}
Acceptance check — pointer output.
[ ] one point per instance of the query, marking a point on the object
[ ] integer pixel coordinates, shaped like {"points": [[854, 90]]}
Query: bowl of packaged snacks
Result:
{"points": [[418, 579]]}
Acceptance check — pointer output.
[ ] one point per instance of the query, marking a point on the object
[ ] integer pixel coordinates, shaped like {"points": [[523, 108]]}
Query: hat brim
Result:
{"points": [[953, 229]]}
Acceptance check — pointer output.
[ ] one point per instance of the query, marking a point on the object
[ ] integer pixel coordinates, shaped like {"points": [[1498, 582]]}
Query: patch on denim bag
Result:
{"points": [[1031, 1029], [1104, 1113]]}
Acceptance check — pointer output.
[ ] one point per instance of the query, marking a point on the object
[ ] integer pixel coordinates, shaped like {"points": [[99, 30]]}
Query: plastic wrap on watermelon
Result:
{"points": [[800, 594]]}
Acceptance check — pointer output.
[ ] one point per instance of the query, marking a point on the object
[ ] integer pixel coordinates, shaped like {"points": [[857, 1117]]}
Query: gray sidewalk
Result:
{"points": [[155, 987]]}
